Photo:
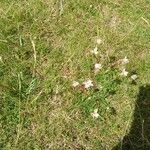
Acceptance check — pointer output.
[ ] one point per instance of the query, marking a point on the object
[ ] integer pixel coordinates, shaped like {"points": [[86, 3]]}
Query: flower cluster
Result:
{"points": [[87, 84]]}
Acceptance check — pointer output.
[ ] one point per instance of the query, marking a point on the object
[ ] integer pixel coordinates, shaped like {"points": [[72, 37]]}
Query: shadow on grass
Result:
{"points": [[139, 135]]}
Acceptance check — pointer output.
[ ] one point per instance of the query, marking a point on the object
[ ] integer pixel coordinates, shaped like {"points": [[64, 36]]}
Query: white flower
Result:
{"points": [[95, 51], [87, 84], [124, 73], [134, 77], [95, 114], [75, 83], [125, 60], [97, 67], [98, 41]]}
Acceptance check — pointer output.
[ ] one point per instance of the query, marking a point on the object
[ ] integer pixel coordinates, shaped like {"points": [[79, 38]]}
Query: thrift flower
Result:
{"points": [[87, 84], [95, 114], [124, 73], [75, 83]]}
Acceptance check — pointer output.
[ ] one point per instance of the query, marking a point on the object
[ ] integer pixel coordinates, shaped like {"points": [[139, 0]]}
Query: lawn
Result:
{"points": [[70, 72]]}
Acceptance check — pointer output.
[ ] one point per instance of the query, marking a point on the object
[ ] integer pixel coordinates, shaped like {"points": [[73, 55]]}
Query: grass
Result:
{"points": [[44, 46]]}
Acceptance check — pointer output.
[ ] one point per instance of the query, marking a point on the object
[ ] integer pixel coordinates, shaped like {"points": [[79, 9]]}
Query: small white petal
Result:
{"points": [[99, 41], [95, 114], [124, 73], [134, 77], [75, 83], [95, 51], [125, 60], [97, 66], [88, 84]]}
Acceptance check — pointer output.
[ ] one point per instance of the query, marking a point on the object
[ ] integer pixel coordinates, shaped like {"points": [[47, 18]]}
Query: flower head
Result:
{"points": [[125, 60], [124, 73], [75, 83], [97, 67], [95, 114], [95, 51], [98, 41], [134, 77], [87, 84]]}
